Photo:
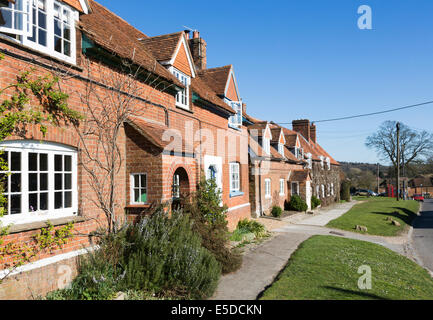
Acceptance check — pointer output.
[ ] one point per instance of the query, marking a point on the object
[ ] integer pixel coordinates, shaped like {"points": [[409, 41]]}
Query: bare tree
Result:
{"points": [[111, 96], [413, 145]]}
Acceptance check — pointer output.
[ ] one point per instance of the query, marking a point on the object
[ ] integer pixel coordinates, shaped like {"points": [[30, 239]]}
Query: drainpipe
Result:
{"points": [[260, 188]]}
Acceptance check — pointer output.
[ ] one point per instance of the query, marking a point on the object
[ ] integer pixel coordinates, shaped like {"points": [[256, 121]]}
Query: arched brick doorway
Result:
{"points": [[180, 188]]}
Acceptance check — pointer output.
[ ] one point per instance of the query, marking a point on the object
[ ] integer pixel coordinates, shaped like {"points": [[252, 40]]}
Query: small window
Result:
{"points": [[176, 186], [182, 97], [332, 189], [323, 191], [15, 17], [282, 189], [236, 120], [234, 177], [318, 191], [295, 188], [281, 149], [267, 188], [139, 188], [267, 145]]}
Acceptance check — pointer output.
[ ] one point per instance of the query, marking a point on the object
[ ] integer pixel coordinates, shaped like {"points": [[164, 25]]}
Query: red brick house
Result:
{"points": [[180, 128]]}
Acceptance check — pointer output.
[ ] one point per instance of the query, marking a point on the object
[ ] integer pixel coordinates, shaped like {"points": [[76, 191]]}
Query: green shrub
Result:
{"points": [[345, 191], [297, 204], [210, 223], [276, 211], [159, 255], [239, 234], [315, 202], [165, 254], [252, 226]]}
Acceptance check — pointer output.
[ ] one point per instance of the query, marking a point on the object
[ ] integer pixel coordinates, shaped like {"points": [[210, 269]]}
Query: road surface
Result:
{"points": [[422, 235]]}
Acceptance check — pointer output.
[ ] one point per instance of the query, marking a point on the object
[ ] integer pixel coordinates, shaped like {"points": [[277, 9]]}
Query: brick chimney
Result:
{"points": [[198, 50], [313, 133], [303, 127]]}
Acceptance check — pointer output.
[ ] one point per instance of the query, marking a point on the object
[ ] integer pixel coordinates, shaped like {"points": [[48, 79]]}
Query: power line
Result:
{"points": [[372, 113]]}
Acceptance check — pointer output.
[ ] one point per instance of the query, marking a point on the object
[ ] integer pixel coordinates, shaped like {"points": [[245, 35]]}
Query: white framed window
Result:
{"points": [[309, 161], [236, 120], [182, 97], [281, 149], [328, 163], [48, 26], [323, 191], [282, 188], [235, 184], [318, 191], [41, 182], [176, 186], [329, 189], [267, 188], [295, 188], [15, 17], [138, 183], [266, 145], [322, 161], [332, 189]]}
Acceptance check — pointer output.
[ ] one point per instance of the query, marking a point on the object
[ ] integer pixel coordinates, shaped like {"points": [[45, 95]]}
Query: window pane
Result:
{"points": [[33, 182], [58, 181], [58, 165], [136, 195], [43, 162], [42, 37], [68, 199], [33, 161], [33, 202], [66, 32], [68, 181], [15, 204], [136, 181], [43, 204], [68, 163], [15, 161], [58, 44], [143, 181], [43, 182], [57, 28], [4, 182], [7, 18], [16, 182], [42, 20], [67, 48], [58, 200]]}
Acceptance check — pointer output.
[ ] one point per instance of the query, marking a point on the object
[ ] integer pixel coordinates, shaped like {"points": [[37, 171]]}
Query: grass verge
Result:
{"points": [[326, 267], [374, 213]]}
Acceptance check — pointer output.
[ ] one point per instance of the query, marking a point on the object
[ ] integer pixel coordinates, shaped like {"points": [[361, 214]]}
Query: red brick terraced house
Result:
{"points": [[182, 125]]}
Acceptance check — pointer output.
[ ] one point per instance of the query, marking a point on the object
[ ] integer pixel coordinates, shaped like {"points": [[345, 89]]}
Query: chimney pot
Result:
{"points": [[196, 34], [197, 46], [187, 34]]}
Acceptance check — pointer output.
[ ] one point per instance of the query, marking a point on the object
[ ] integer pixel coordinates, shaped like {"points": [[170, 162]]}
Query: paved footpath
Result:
{"points": [[262, 264]]}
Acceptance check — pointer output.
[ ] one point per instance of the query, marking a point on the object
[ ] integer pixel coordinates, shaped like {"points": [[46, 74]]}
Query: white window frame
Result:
{"points": [[328, 163], [297, 188], [322, 162], [27, 18], [332, 189], [266, 145], [282, 187], [29, 146], [323, 191], [318, 191], [184, 93], [235, 182], [176, 186], [310, 161], [281, 149], [268, 185], [236, 120], [50, 48], [133, 187]]}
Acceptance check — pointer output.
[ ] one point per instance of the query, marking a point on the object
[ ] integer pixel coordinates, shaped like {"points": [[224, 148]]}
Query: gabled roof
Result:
{"points": [[117, 36], [162, 47], [418, 181], [75, 4], [216, 78], [300, 176]]}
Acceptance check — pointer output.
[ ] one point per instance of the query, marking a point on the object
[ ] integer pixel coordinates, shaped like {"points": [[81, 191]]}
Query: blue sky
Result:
{"points": [[302, 59]]}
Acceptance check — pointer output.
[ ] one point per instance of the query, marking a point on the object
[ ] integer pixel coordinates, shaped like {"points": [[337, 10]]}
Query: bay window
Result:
{"points": [[41, 181], [47, 26]]}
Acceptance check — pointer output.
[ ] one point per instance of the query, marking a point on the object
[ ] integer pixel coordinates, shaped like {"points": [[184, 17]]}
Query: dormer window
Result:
{"points": [[266, 144], [47, 26], [182, 97], [236, 120], [322, 160], [281, 149], [328, 163]]}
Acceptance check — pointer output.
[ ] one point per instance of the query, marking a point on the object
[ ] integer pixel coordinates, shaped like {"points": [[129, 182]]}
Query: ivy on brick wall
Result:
{"points": [[34, 100]]}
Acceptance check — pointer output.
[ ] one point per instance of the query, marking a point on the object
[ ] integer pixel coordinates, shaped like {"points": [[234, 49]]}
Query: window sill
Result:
{"points": [[235, 127], [18, 228], [140, 206], [184, 108], [268, 197], [236, 194]]}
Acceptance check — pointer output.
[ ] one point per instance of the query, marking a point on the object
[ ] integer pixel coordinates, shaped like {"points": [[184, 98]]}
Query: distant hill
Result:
{"points": [[372, 167]]}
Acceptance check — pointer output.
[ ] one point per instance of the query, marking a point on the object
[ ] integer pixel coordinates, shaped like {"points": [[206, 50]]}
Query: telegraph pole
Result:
{"points": [[378, 178], [398, 161]]}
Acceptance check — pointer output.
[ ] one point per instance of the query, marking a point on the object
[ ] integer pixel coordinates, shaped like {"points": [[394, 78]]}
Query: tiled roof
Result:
{"points": [[258, 128], [155, 133], [163, 47], [418, 181], [276, 132], [249, 118], [216, 78], [299, 176], [116, 35]]}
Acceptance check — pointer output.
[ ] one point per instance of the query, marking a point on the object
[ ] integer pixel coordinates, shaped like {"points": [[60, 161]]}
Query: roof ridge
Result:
{"points": [[163, 35], [217, 68]]}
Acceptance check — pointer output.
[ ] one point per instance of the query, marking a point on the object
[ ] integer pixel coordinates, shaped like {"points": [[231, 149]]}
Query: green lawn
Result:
{"points": [[326, 267], [373, 214]]}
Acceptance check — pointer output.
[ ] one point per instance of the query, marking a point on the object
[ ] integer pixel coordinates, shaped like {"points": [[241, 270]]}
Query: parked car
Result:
{"points": [[365, 193], [383, 194], [418, 197]]}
